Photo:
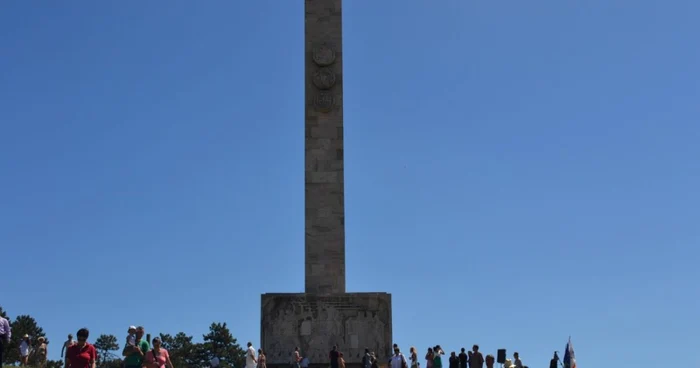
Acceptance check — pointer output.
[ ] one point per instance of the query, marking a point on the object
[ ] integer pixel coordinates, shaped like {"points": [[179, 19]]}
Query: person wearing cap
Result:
{"points": [[131, 337], [157, 357], [133, 355]]}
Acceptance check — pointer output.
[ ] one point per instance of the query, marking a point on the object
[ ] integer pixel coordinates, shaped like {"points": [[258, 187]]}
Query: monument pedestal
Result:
{"points": [[314, 323]]}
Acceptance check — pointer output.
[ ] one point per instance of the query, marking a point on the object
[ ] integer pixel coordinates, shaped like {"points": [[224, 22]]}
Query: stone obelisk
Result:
{"points": [[325, 315], [324, 173]]}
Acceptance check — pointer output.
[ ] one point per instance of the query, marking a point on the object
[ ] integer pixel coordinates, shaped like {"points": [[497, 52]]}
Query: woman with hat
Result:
{"points": [[41, 352], [24, 351]]}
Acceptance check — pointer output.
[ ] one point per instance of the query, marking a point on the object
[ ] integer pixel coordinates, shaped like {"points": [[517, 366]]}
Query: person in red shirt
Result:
{"points": [[82, 354]]}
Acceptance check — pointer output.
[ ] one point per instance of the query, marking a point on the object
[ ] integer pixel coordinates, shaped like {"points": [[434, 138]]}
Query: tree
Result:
{"points": [[219, 342], [183, 352], [114, 363], [54, 364], [105, 345], [22, 325]]}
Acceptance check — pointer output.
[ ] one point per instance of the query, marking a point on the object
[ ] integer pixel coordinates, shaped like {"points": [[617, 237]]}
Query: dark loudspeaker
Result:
{"points": [[501, 356]]}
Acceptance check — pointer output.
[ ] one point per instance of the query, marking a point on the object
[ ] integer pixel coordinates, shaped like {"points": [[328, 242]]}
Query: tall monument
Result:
{"points": [[325, 315]]}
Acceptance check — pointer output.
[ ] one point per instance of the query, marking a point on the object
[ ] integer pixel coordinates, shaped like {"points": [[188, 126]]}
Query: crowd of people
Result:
{"points": [[138, 352], [36, 353], [141, 353], [433, 359]]}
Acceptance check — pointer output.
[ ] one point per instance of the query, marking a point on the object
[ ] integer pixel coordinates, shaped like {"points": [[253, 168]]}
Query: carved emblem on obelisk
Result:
{"points": [[324, 101], [323, 55], [324, 78]]}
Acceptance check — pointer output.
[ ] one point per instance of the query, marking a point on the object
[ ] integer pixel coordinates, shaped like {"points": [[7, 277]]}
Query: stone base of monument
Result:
{"points": [[314, 323]]}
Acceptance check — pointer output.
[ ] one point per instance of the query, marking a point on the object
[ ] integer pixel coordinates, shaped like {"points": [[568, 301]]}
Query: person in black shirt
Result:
{"points": [[554, 361], [463, 359], [454, 361], [367, 359], [375, 362], [333, 356]]}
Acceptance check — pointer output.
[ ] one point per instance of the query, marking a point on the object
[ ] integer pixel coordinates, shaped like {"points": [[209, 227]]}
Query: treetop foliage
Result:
{"points": [[184, 353]]}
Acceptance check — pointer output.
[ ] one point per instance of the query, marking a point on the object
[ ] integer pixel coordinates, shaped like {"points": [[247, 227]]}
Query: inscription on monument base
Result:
{"points": [[315, 323]]}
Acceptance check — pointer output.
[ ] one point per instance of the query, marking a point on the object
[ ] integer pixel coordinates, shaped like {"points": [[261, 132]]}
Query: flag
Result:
{"points": [[569, 356]]}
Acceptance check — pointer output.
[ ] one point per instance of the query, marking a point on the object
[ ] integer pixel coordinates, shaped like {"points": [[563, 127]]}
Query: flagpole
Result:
{"points": [[561, 364]]}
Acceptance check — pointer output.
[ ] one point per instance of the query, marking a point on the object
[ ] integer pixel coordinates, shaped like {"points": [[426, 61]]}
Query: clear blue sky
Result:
{"points": [[517, 172]]}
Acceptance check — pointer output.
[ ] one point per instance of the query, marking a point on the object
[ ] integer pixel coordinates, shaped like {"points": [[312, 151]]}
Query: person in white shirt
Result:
{"points": [[250, 361], [131, 337], [397, 360], [24, 351], [5, 336], [517, 362]]}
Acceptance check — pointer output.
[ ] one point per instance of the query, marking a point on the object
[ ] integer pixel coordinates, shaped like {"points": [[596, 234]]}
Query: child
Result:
{"points": [[131, 337]]}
